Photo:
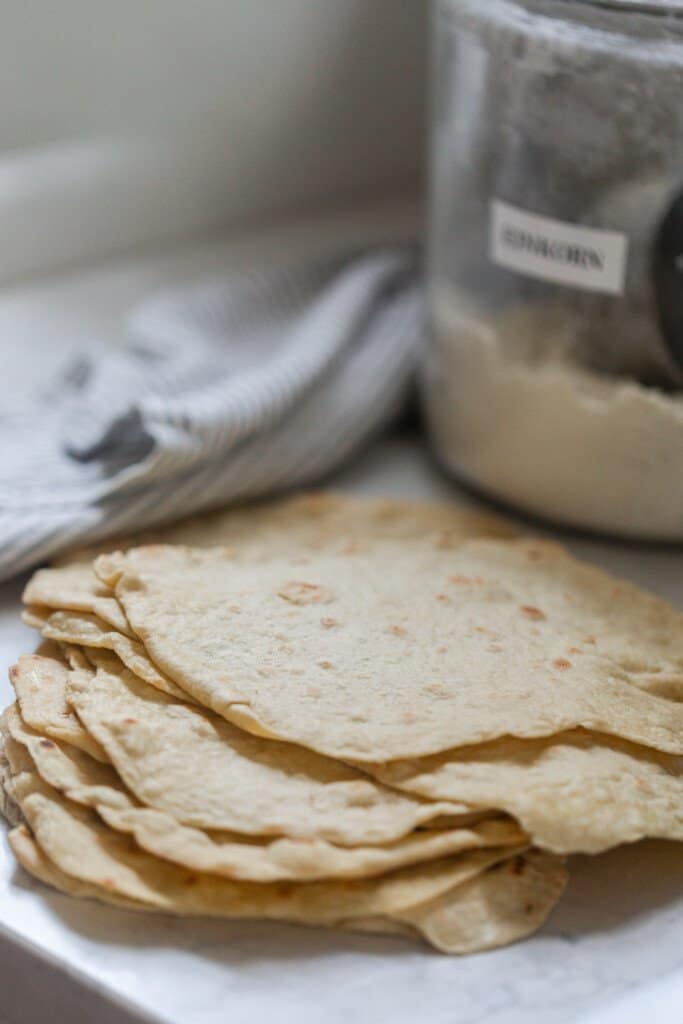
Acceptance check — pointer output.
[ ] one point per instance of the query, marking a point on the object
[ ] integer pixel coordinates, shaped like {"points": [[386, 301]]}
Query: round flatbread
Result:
{"points": [[309, 520], [206, 773], [401, 650], [84, 848], [574, 792], [87, 630], [39, 683], [493, 909], [83, 780]]}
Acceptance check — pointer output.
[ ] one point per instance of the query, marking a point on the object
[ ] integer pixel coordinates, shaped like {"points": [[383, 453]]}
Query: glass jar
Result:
{"points": [[555, 264]]}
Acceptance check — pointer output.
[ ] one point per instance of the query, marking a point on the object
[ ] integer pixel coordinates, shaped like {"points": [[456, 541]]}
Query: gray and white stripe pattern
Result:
{"points": [[229, 390]]}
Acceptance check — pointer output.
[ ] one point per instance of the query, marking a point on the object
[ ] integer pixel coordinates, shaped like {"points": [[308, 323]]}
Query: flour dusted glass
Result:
{"points": [[555, 259]]}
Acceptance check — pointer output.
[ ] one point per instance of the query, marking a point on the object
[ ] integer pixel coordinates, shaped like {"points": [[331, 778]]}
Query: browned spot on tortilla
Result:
{"points": [[531, 612], [562, 664], [328, 622], [325, 664], [48, 744], [130, 721], [302, 593], [397, 630]]}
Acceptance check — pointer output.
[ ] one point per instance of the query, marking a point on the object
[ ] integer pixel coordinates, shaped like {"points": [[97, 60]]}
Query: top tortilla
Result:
{"points": [[406, 648], [313, 519], [309, 520]]}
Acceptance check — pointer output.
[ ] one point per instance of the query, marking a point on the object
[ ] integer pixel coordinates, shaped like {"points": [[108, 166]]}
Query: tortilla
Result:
{"points": [[313, 519], [73, 587], [18, 759], [408, 650], [502, 905], [309, 520], [75, 657], [206, 773], [33, 860], [8, 809], [575, 792], [35, 616], [40, 685], [477, 915], [81, 846], [88, 630], [87, 782]]}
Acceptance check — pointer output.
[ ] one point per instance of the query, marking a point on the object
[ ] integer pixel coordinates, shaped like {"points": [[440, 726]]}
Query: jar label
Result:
{"points": [[554, 250]]}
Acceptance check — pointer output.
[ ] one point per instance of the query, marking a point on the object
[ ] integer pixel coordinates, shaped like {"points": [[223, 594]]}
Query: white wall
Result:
{"points": [[127, 121]]}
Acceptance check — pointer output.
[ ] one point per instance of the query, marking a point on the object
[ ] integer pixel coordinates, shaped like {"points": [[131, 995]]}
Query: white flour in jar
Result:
{"points": [[511, 412]]}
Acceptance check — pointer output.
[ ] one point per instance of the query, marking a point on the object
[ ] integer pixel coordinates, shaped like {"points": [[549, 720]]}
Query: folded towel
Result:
{"points": [[228, 390]]}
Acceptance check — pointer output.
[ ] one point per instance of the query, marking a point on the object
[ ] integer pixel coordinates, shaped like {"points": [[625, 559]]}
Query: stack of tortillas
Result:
{"points": [[378, 716]]}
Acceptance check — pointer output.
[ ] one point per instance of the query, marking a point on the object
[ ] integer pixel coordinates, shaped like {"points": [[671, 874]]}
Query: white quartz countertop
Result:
{"points": [[612, 953]]}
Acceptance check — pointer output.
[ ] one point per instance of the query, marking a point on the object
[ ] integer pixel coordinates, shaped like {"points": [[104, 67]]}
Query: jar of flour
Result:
{"points": [[554, 378]]}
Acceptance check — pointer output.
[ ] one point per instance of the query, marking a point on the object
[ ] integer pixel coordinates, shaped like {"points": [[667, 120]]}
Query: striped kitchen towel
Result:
{"points": [[225, 391]]}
